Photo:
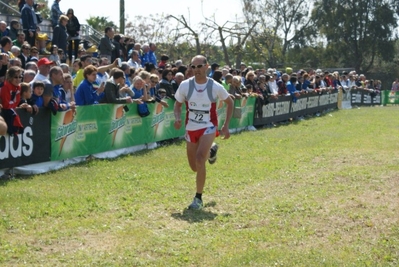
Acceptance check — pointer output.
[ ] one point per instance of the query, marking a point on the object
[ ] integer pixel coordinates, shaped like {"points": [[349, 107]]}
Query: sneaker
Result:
{"points": [[196, 205], [213, 152]]}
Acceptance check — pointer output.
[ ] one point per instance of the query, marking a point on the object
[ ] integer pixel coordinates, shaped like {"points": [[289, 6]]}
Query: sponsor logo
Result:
{"points": [[66, 130], [13, 150]]}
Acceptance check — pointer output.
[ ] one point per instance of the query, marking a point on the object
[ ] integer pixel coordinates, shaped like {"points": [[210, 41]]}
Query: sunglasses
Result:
{"points": [[18, 77], [197, 67]]}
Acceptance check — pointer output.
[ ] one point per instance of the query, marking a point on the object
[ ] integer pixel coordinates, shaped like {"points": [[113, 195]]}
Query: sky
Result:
{"points": [[223, 9]]}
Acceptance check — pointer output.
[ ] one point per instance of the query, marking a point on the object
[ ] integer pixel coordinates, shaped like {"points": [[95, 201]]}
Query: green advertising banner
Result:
{"points": [[390, 97], [247, 106], [99, 128]]}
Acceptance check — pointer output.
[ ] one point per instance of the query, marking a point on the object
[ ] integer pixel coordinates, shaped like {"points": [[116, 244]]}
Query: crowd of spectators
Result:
{"points": [[125, 72]]}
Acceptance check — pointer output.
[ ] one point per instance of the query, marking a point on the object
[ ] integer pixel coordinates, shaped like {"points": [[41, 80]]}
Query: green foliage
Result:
{"points": [[320, 192], [100, 23], [356, 31]]}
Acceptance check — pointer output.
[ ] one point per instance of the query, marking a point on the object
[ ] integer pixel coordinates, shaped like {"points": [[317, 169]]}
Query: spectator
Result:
{"points": [[54, 55], [37, 95], [395, 85], [16, 51], [217, 76], [134, 60], [104, 66], [14, 29], [139, 89], [15, 62], [35, 6], [282, 84], [60, 35], [306, 81], [29, 75], [166, 83], [34, 53], [20, 40], [59, 94], [83, 63], [179, 77], [44, 66], [32, 65], [106, 46], [151, 54], [68, 88], [145, 56], [113, 88], [65, 68], [6, 45], [55, 13], [250, 79], [149, 67], [119, 46], [85, 93], [73, 29], [227, 81], [3, 29], [236, 88], [214, 66], [154, 80], [10, 95], [25, 100], [126, 69], [29, 22], [75, 68], [291, 89], [163, 62]]}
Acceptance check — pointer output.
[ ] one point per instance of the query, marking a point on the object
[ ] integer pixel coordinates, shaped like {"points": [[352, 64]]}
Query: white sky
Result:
{"points": [[223, 9]]}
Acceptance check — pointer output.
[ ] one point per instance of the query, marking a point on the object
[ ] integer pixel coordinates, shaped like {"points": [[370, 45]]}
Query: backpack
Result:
{"points": [[142, 109]]}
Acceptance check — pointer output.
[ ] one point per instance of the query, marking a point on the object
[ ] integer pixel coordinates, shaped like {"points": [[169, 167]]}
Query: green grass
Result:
{"points": [[320, 192]]}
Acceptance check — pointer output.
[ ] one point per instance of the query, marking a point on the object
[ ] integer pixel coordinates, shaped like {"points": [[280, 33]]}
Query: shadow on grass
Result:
{"points": [[196, 216]]}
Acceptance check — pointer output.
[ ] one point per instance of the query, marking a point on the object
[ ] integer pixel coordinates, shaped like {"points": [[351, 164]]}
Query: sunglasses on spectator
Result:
{"points": [[197, 67]]}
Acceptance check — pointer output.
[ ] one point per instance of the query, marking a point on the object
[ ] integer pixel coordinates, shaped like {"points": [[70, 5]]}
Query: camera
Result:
{"points": [[125, 108]]}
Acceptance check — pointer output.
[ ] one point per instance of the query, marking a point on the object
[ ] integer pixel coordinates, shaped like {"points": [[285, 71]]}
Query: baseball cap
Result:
{"points": [[44, 61]]}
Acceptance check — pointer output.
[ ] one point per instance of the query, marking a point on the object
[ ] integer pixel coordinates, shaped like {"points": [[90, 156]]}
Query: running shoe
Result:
{"points": [[196, 204], [213, 153]]}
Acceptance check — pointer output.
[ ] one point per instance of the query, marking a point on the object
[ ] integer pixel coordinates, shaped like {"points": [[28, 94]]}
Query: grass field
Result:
{"points": [[320, 192]]}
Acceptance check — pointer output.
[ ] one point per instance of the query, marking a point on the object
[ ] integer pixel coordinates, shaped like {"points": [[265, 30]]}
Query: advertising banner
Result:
{"points": [[390, 97], [99, 128], [32, 146], [284, 108], [364, 98]]}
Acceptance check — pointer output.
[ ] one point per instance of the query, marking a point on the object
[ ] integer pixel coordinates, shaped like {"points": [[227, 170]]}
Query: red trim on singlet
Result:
{"points": [[213, 114]]}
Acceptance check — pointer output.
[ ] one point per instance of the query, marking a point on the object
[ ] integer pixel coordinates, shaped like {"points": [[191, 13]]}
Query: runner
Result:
{"points": [[200, 94]]}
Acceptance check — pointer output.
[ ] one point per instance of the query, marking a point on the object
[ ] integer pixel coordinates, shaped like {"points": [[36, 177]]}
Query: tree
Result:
{"points": [[281, 21], [238, 34], [357, 31], [100, 23]]}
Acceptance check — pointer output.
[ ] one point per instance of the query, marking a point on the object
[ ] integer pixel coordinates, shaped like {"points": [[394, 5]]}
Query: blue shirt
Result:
{"points": [[138, 93], [86, 95], [145, 58], [152, 58]]}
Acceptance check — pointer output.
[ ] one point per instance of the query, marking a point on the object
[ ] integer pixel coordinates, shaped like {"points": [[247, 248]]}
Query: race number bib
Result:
{"points": [[199, 116]]}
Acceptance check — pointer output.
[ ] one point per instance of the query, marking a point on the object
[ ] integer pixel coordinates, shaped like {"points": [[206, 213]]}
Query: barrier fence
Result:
{"points": [[390, 97], [109, 127]]}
